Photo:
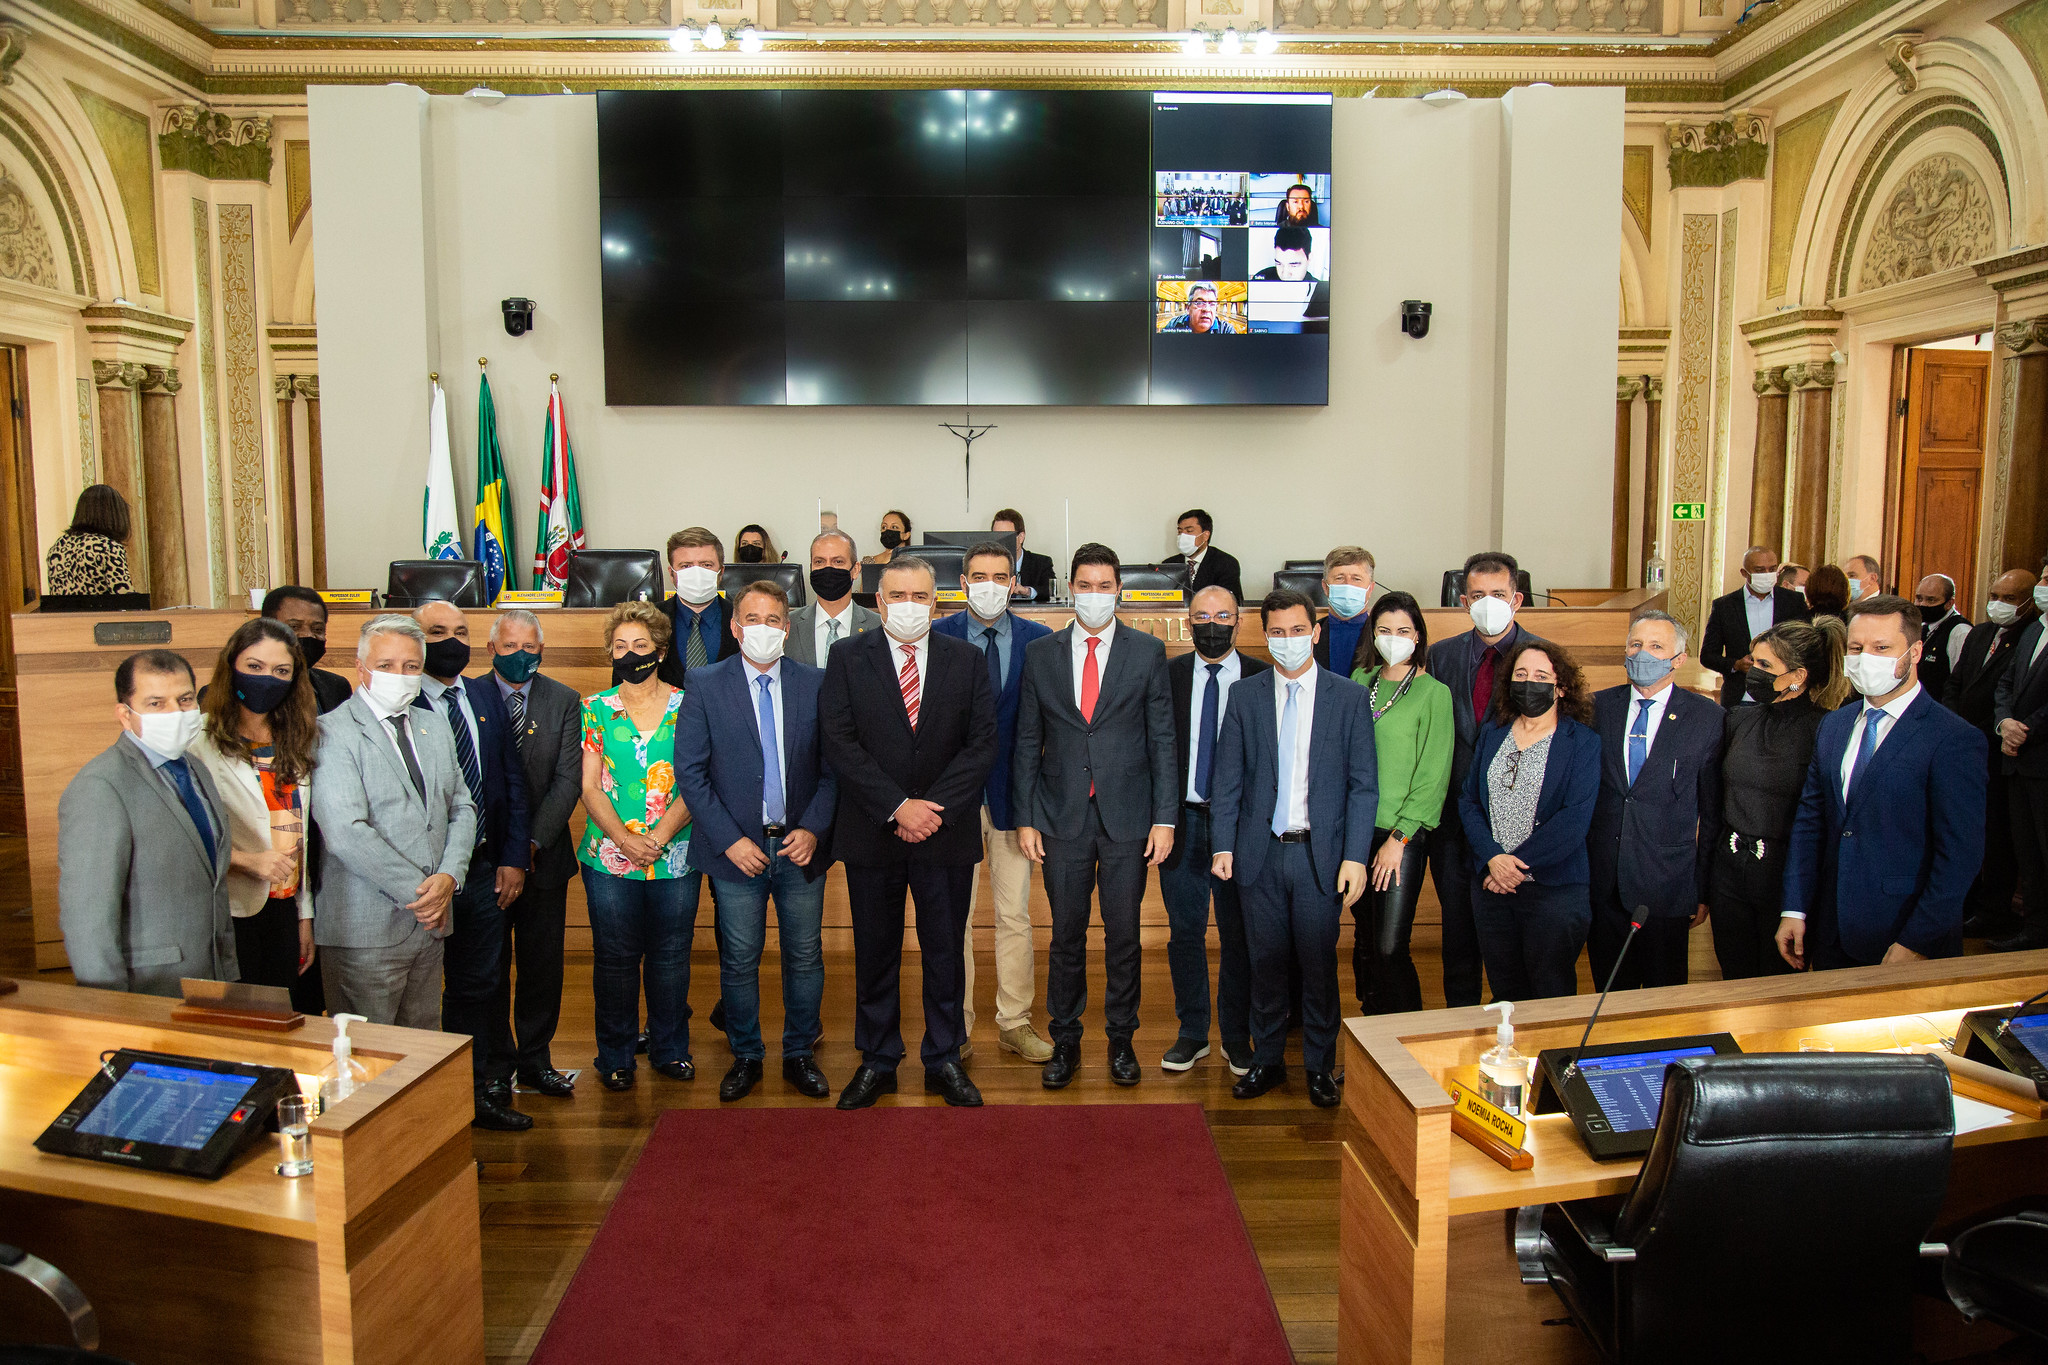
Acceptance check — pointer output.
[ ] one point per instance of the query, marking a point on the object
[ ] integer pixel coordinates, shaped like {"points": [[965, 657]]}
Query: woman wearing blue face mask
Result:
{"points": [[261, 732]]}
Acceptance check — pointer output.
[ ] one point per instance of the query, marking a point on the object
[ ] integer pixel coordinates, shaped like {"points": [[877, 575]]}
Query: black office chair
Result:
{"points": [[1304, 581], [1156, 578], [93, 601], [70, 1300], [790, 577], [1454, 587], [414, 581], [1999, 1270], [605, 578], [1303, 566], [1778, 1216]]}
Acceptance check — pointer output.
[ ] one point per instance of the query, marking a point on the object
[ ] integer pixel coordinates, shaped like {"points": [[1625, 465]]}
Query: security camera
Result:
{"points": [[518, 316], [1415, 318]]}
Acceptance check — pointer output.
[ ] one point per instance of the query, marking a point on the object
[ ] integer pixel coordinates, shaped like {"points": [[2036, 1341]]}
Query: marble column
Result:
{"points": [[287, 482], [162, 473], [309, 388], [1767, 473], [1626, 387], [1653, 468], [120, 456], [1813, 389], [2023, 443]]}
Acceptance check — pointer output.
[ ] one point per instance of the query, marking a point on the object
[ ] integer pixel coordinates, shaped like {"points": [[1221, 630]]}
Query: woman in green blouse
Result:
{"points": [[1412, 733]]}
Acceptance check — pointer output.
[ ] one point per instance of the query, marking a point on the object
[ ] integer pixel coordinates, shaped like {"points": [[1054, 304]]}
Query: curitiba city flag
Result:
{"points": [[438, 534], [493, 542], [561, 510]]}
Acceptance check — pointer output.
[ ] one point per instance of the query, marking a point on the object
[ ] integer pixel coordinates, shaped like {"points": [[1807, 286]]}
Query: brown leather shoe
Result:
{"points": [[1025, 1042]]}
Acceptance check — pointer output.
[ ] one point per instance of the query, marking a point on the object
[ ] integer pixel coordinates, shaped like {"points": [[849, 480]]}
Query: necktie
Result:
{"points": [[1289, 726], [465, 756], [831, 636], [517, 705], [1091, 682], [693, 644], [907, 680], [1873, 720], [995, 662], [771, 762], [1639, 739], [1482, 683], [188, 792], [1205, 742], [412, 763]]}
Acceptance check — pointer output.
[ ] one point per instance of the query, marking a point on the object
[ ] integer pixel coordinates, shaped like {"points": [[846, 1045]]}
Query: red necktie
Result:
{"points": [[1482, 683], [1091, 689], [907, 679]]}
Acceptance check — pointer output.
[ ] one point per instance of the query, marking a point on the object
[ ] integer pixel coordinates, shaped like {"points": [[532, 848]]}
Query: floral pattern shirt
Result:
{"points": [[640, 778]]}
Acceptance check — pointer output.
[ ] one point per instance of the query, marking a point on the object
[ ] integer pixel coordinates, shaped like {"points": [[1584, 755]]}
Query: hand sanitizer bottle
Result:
{"points": [[1504, 1072], [340, 1077]]}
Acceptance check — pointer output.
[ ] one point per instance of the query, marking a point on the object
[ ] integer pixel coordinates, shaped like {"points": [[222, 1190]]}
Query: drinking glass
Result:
{"points": [[295, 1135]]}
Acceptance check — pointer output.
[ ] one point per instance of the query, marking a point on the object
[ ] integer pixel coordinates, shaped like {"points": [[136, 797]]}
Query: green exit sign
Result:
{"points": [[1688, 511]]}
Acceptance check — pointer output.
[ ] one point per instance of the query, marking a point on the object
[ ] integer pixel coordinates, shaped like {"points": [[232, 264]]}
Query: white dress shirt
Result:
{"points": [[1659, 704], [1885, 718], [821, 630], [1762, 611], [753, 676], [433, 690], [1295, 799], [1232, 669], [921, 648], [1081, 639]]}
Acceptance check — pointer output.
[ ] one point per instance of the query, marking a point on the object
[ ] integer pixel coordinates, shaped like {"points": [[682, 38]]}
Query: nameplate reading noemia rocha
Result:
{"points": [[1492, 1118]]}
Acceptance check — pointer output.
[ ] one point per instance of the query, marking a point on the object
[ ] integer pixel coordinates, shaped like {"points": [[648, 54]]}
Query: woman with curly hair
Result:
{"points": [[1527, 808], [636, 871]]}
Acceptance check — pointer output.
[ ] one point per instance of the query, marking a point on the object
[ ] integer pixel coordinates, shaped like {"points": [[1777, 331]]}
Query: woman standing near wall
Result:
{"points": [[91, 557]]}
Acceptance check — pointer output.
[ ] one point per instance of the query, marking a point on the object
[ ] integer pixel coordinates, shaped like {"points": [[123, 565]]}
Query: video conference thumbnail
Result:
{"points": [[1203, 308], [1203, 198], [1280, 199]]}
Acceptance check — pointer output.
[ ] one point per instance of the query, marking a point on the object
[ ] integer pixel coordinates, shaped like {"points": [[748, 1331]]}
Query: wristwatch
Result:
{"points": [[1398, 837]]}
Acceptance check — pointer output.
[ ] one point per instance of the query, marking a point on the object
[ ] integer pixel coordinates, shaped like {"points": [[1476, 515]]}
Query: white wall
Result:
{"points": [[1409, 458]]}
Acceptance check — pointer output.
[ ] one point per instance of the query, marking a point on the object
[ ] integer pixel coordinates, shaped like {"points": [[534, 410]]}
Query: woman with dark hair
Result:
{"points": [[1527, 808], [895, 536], [1827, 591], [260, 741], [91, 557], [753, 545], [1413, 732]]}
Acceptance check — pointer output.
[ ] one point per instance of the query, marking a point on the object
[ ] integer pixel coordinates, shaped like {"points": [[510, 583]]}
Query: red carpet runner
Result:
{"points": [[1014, 1235]]}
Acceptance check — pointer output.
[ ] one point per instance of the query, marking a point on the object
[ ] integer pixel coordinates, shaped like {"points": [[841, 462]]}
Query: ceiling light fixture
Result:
{"points": [[1194, 45], [1265, 42], [714, 36], [681, 40], [1230, 44], [750, 39]]}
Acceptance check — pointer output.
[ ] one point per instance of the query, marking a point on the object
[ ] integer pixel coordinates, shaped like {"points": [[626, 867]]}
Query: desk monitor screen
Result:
{"points": [[172, 1106], [2031, 1032], [1629, 1088], [160, 1112]]}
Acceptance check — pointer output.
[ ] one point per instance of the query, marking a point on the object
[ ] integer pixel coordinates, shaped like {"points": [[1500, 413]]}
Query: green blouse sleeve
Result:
{"points": [[1435, 733]]}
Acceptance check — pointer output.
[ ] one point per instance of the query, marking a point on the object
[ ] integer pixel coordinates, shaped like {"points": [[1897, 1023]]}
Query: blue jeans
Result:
{"points": [[743, 913], [1187, 887], [631, 922]]}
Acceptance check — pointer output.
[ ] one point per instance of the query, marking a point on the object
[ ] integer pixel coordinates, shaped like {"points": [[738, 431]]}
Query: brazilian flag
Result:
{"points": [[493, 540]]}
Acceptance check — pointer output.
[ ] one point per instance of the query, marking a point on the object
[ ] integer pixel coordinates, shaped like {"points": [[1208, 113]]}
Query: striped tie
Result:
{"points": [[465, 754], [908, 680], [517, 702]]}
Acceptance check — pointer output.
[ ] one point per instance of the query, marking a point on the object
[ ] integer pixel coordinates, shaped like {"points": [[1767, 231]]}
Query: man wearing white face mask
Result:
{"points": [[142, 845], [1740, 616], [1208, 567], [762, 803], [987, 577], [702, 619]]}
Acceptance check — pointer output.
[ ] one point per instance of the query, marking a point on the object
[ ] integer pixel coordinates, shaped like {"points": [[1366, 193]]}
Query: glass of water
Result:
{"points": [[295, 1135]]}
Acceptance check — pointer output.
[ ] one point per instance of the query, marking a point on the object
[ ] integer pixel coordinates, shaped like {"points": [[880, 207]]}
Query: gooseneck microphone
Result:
{"points": [[1635, 923], [2005, 1025]]}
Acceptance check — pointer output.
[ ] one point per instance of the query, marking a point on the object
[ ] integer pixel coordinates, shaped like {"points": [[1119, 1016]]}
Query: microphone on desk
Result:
{"points": [[2005, 1025], [1635, 923]]}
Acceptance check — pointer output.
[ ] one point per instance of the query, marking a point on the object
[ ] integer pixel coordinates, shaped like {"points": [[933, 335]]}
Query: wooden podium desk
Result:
{"points": [[373, 1258], [1425, 1269]]}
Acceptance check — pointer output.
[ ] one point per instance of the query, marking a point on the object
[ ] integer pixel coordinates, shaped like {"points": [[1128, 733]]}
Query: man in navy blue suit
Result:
{"points": [[473, 965], [1297, 789], [761, 805], [987, 577], [1890, 830], [1660, 804]]}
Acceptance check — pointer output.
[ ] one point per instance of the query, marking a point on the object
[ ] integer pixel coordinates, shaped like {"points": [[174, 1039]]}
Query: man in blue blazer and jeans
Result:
{"points": [[1297, 789], [762, 804], [987, 577], [1890, 830]]}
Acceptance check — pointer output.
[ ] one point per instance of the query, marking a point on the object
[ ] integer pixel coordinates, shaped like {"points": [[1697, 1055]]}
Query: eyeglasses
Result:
{"points": [[1515, 767]]}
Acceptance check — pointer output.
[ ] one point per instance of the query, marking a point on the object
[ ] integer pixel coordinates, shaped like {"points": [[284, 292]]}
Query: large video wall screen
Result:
{"points": [[953, 247]]}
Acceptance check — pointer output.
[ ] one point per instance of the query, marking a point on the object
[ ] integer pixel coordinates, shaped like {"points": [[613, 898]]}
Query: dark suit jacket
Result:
{"points": [[1452, 662], [671, 670], [1036, 574], [865, 738], [719, 770], [1180, 676], [507, 829], [1895, 863], [1556, 851], [1652, 843], [1126, 752], [1022, 632], [1343, 777], [1973, 685], [552, 752], [2023, 696], [329, 689], [1935, 636], [1727, 637], [1217, 570]]}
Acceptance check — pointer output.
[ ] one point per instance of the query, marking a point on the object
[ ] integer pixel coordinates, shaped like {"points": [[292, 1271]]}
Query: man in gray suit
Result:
{"points": [[1094, 792], [832, 615], [400, 827], [142, 845]]}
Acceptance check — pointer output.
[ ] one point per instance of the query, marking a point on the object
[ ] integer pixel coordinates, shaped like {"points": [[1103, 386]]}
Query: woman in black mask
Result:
{"points": [[1527, 807], [753, 545], [262, 730], [895, 536]]}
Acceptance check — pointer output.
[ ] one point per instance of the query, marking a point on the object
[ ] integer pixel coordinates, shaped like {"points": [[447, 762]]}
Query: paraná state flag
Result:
{"points": [[561, 510]]}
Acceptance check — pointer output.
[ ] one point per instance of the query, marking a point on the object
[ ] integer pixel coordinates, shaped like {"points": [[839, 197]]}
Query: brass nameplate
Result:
{"points": [[1152, 595], [131, 632], [347, 597]]}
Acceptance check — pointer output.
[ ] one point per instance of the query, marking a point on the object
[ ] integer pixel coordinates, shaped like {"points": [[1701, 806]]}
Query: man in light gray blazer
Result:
{"points": [[399, 826], [832, 615], [142, 845]]}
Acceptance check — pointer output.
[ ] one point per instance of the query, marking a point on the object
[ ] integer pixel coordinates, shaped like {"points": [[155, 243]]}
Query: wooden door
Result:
{"points": [[18, 577], [1941, 472]]}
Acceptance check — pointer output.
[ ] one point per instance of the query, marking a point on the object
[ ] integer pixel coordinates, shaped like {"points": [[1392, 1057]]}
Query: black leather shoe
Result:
{"points": [[621, 1079], [2025, 940], [499, 1118], [1123, 1063], [640, 1044], [866, 1087], [802, 1072], [498, 1093], [548, 1081], [677, 1071], [949, 1080], [1258, 1081], [1322, 1090], [744, 1076], [1066, 1060], [718, 1015]]}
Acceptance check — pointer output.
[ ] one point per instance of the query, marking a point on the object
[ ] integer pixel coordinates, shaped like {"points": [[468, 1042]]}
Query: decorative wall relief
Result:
{"points": [[216, 146], [1938, 217], [1636, 163], [240, 340], [124, 137], [1797, 152], [1720, 151], [25, 253], [209, 403], [88, 461], [298, 182], [1692, 433], [1724, 397]]}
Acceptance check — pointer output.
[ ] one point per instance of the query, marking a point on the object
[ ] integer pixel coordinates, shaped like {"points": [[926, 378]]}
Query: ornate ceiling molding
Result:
{"points": [[213, 145], [1719, 151]]}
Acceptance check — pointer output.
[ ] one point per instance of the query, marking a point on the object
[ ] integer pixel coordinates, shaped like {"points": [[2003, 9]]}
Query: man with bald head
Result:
{"points": [[1942, 633], [1973, 694], [1736, 619], [488, 757]]}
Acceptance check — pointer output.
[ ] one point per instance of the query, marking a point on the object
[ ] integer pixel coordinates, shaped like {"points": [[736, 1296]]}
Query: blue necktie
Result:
{"points": [[1205, 742], [1288, 728], [465, 757], [181, 778], [1639, 738], [995, 663], [771, 764], [1873, 719]]}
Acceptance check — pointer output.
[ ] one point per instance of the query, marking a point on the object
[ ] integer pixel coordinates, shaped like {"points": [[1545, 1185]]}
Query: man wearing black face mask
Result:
{"points": [[474, 956], [305, 613], [833, 615]]}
